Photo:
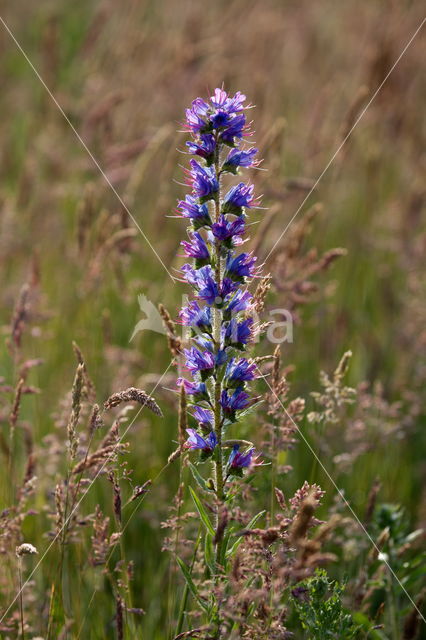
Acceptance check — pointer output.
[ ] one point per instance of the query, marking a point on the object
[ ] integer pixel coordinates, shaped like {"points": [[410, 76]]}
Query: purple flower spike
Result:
{"points": [[237, 461], [242, 195], [198, 360], [204, 417], [240, 267], [203, 181], [195, 441], [197, 213], [196, 249]]}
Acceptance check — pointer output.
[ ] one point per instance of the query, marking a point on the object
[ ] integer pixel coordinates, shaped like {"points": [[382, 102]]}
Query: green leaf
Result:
{"points": [[198, 477], [209, 553], [191, 586], [250, 525], [202, 512]]}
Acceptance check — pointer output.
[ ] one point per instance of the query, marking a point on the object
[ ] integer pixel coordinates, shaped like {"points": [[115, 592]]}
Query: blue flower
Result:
{"points": [[225, 230], [239, 158], [239, 267], [203, 181], [238, 372], [195, 116], [239, 302], [196, 249], [196, 389], [237, 460], [205, 147], [221, 100], [238, 333], [204, 281], [195, 316], [196, 360], [195, 441], [242, 195], [197, 213], [236, 402], [235, 129], [204, 417]]}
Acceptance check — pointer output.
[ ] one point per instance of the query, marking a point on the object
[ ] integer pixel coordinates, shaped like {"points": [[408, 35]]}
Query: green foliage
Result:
{"points": [[318, 602]]}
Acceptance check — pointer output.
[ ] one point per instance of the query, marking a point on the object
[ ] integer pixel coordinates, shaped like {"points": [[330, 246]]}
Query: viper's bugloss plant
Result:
{"points": [[219, 316]]}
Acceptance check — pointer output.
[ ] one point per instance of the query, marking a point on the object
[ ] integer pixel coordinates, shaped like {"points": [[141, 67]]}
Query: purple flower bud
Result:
{"points": [[242, 195], [198, 213], [195, 441]]}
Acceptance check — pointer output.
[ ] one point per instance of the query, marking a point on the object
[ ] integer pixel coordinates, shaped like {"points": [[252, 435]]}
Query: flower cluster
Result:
{"points": [[219, 316]]}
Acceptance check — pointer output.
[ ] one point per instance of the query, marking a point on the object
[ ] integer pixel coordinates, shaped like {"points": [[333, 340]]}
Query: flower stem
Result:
{"points": [[217, 325]]}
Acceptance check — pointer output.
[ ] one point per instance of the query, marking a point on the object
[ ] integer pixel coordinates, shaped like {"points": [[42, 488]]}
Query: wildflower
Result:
{"points": [[240, 267], [204, 417], [221, 100], [196, 360], [196, 249], [195, 441], [242, 195], [238, 302], [238, 461], [196, 389], [238, 401], [197, 213], [235, 129], [229, 232], [239, 158], [238, 334], [203, 181], [204, 148], [195, 316], [238, 372]]}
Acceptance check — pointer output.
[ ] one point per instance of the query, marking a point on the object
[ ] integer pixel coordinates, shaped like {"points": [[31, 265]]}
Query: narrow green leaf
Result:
{"points": [[202, 512], [250, 525], [198, 477], [191, 586], [209, 553]]}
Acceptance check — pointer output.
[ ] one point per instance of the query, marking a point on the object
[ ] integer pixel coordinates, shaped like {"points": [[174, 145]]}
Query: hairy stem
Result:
{"points": [[217, 325]]}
